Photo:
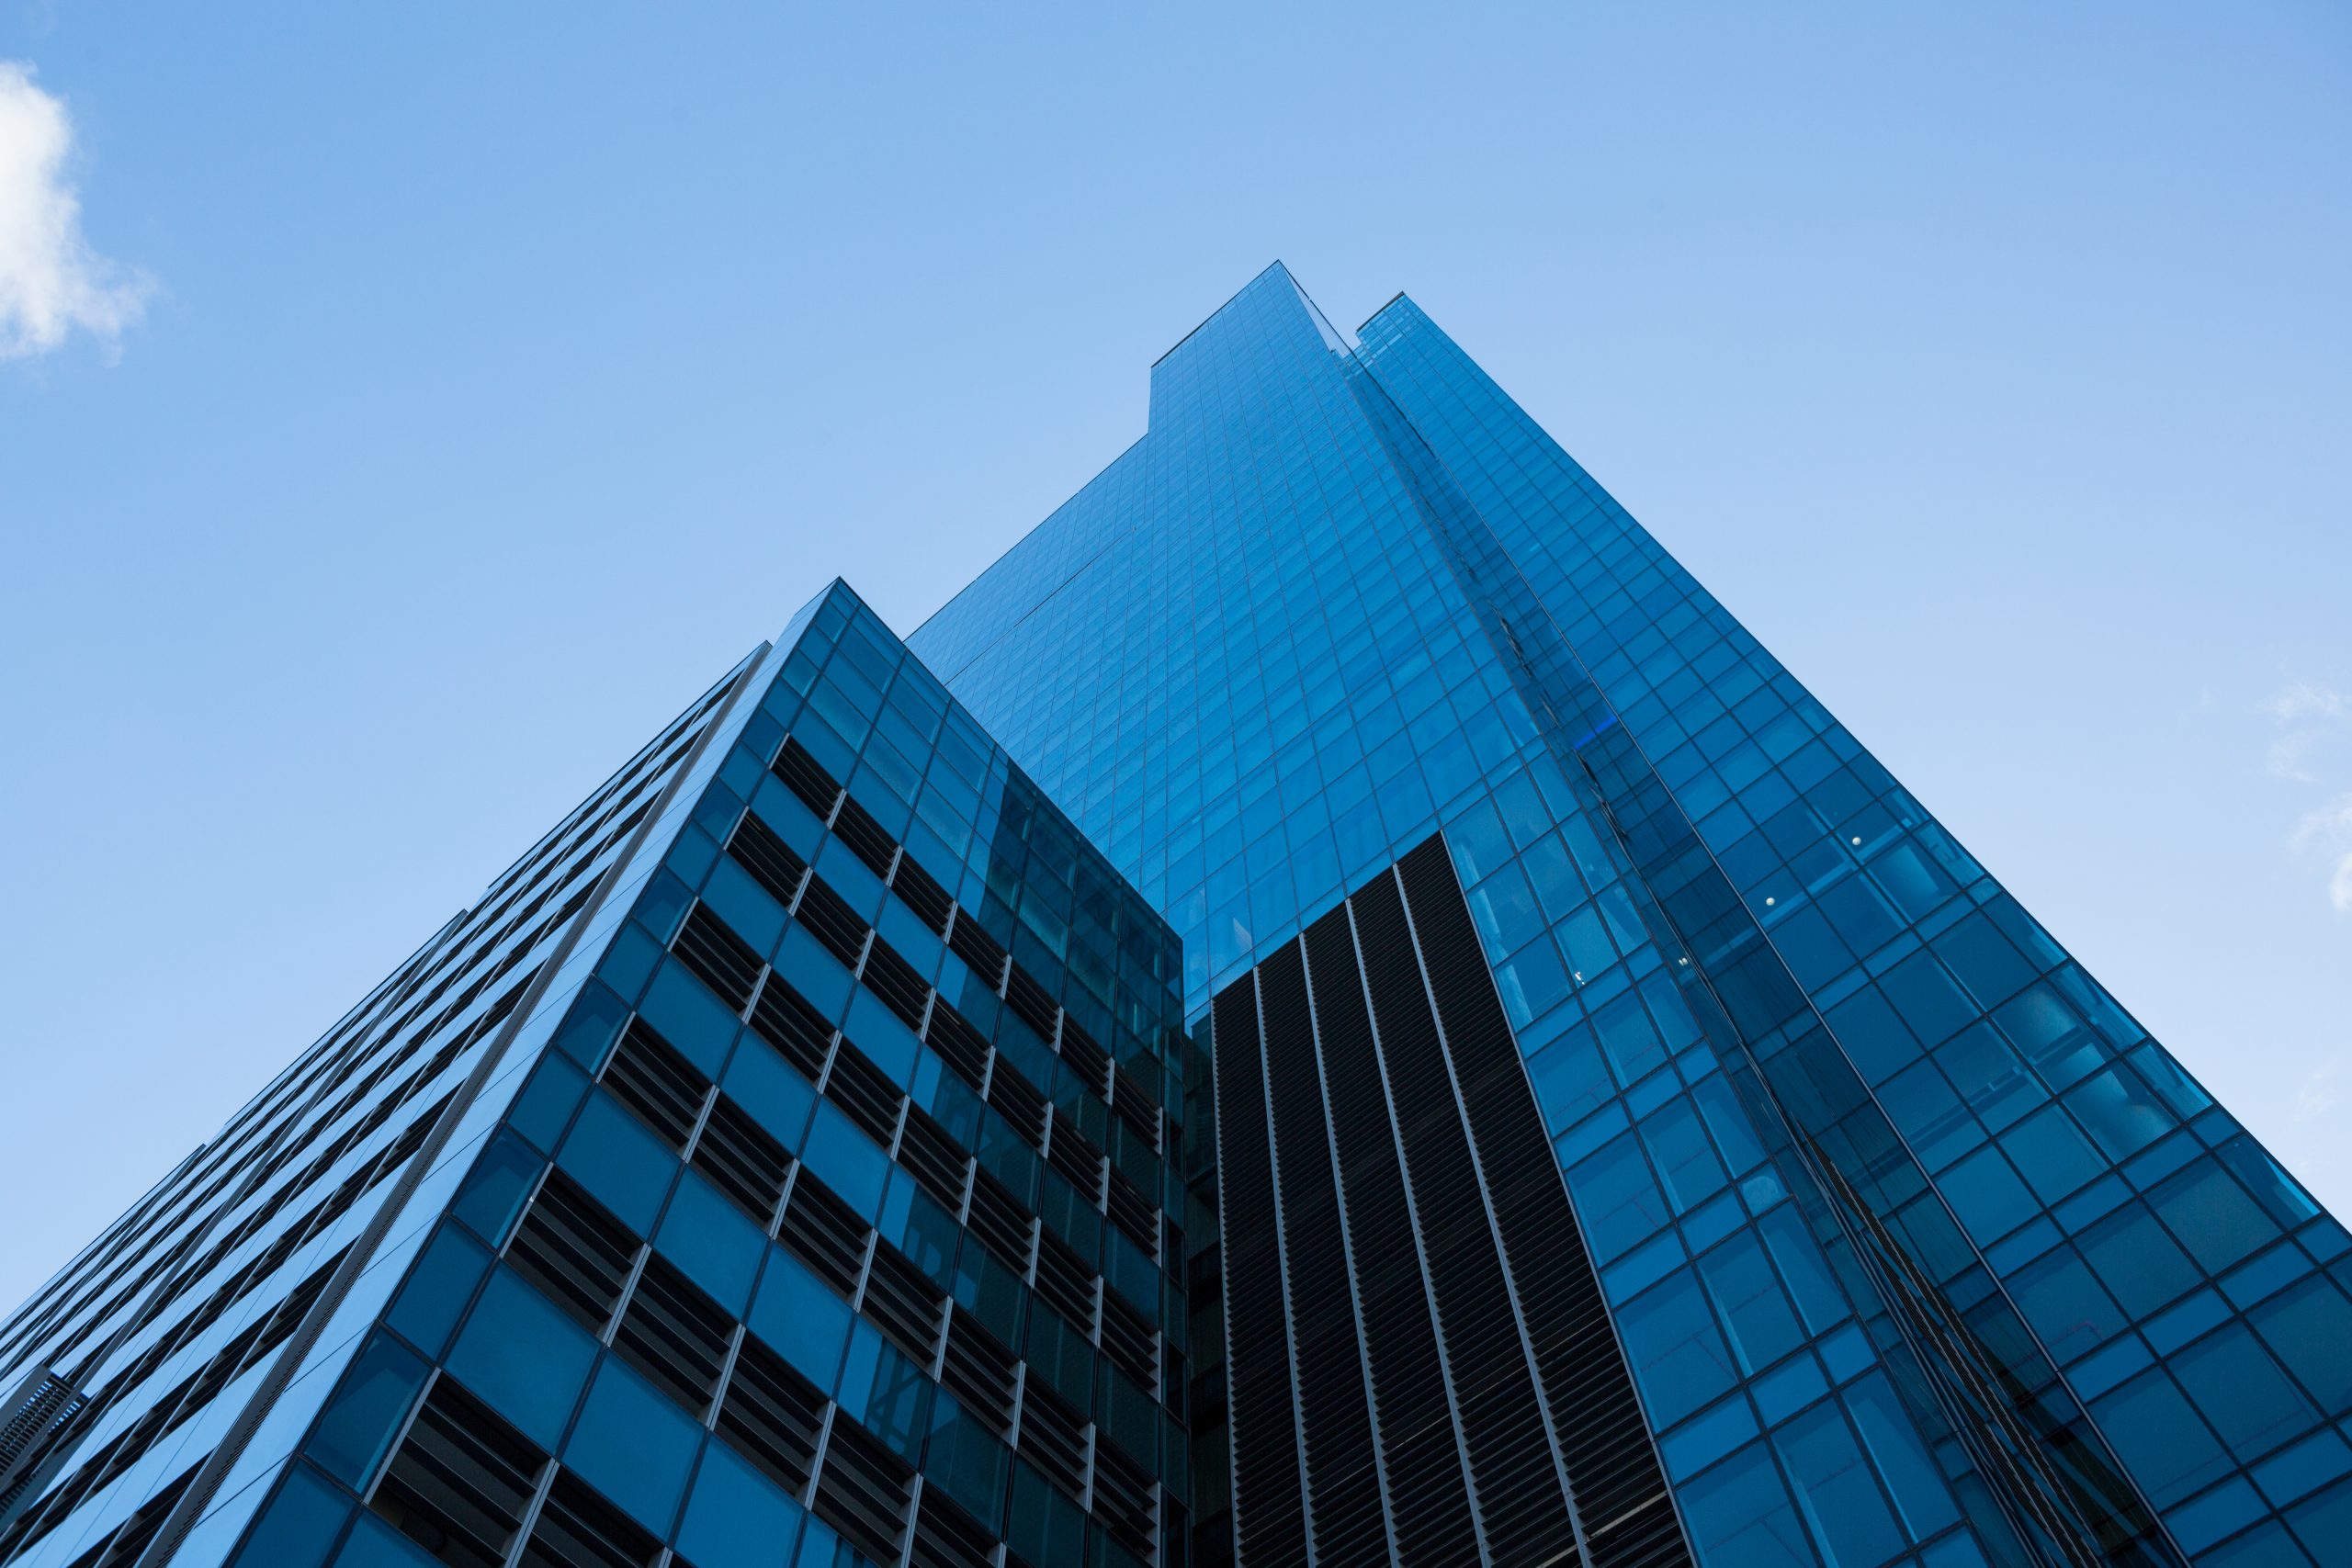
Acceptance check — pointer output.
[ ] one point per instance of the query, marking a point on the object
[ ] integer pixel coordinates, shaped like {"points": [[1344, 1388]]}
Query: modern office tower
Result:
{"points": [[1641, 1133], [774, 1167]]}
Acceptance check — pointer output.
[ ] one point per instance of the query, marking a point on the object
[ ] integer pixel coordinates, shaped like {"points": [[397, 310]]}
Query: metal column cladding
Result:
{"points": [[1404, 1270]]}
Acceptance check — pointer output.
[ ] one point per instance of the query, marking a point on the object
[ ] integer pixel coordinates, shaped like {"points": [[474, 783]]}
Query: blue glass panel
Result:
{"points": [[2323, 1526], [771, 1090], [1617, 1200], [799, 1314], [1685, 1159], [887, 1393], [889, 1043], [299, 1527], [708, 1237], [494, 1189], [1042, 1524], [613, 1155], [375, 1544], [1707, 1437], [816, 975], [439, 1285], [1679, 1355], [521, 1355], [965, 1458], [594, 1022], [2212, 1216], [1920, 1494], [2169, 1450], [1988, 1196], [736, 1517], [850, 1163], [1835, 1490], [2242, 1393], [1570, 1079], [1801, 1265], [2319, 1458], [2135, 1259], [633, 1445], [2309, 1328], [1749, 1299], [368, 1408], [1740, 1516], [747, 907], [682, 1009], [544, 1108], [2064, 1304]]}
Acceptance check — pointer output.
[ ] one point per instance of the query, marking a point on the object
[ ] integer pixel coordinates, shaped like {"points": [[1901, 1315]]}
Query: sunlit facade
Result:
{"points": [[1332, 1007], [771, 1167], [1916, 1248]]}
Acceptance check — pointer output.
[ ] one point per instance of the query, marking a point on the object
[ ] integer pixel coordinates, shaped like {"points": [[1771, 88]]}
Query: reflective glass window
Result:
{"points": [[633, 1445]]}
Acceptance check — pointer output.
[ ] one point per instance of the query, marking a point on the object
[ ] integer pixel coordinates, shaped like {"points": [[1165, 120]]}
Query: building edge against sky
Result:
{"points": [[1916, 1243], [720, 1184], [781, 1161]]}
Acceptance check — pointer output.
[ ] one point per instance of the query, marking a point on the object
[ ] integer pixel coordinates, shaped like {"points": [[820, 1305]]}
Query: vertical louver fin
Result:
{"points": [[833, 922], [864, 1491], [785, 1019], [717, 957], [773, 864], [771, 1414], [1520, 1497], [826, 1233], [1335, 1413], [1269, 1509], [460, 1482], [572, 1248], [742, 1159], [855, 827], [647, 1074], [806, 777], [1614, 1476], [1427, 1488]]}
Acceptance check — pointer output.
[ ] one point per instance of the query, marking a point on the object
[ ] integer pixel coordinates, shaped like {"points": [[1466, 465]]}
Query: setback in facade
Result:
{"points": [[1332, 1007]]}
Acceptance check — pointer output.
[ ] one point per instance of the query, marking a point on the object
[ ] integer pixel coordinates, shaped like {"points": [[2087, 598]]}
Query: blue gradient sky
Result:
{"points": [[505, 372]]}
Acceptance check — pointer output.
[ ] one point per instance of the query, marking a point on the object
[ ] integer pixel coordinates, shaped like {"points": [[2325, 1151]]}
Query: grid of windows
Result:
{"points": [[1917, 1244], [832, 1169], [836, 1223]]}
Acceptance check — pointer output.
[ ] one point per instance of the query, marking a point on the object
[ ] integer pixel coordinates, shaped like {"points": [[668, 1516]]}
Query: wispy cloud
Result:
{"points": [[2329, 830], [51, 282], [2285, 760], [2312, 722], [2318, 1093], [2303, 700]]}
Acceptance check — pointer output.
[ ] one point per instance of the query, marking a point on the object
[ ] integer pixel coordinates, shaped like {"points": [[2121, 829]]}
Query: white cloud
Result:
{"points": [[2285, 758], [2303, 700], [2316, 1096], [50, 281], [2330, 829]]}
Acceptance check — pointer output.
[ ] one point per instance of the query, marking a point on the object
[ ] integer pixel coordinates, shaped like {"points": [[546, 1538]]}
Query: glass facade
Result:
{"points": [[1918, 1247], [821, 1209], [1332, 1007]]}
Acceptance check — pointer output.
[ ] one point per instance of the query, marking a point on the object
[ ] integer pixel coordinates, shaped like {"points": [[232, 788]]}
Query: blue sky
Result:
{"points": [[423, 403]]}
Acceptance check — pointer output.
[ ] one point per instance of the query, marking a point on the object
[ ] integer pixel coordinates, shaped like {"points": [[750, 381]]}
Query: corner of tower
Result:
{"points": [[1395, 300], [1256, 278]]}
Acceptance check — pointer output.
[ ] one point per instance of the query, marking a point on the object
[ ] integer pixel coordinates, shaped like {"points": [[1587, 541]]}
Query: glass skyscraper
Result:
{"points": [[1914, 1245], [1332, 1007]]}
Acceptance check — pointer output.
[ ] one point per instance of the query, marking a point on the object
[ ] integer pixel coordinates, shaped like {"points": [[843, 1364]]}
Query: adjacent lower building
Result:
{"points": [[1333, 1008], [774, 1166]]}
